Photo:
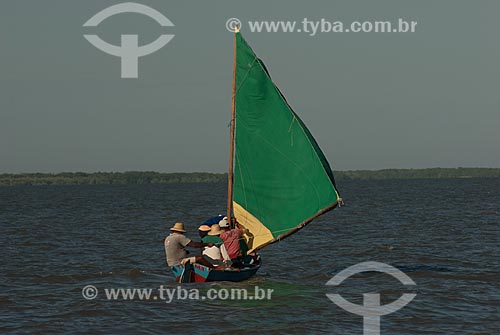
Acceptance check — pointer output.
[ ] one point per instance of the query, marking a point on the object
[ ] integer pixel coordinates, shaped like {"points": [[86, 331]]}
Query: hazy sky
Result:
{"points": [[372, 100]]}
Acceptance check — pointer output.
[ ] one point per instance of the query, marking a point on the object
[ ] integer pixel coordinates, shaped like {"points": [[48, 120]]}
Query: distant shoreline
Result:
{"points": [[137, 177]]}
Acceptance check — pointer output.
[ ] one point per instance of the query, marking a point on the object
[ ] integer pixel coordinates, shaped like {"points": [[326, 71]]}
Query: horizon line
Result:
{"points": [[163, 172]]}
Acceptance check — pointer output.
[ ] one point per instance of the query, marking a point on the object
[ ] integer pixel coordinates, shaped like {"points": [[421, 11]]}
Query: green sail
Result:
{"points": [[282, 180]]}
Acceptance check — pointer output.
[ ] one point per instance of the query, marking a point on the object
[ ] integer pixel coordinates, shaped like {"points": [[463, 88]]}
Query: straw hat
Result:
{"points": [[204, 228], [215, 230], [178, 226]]}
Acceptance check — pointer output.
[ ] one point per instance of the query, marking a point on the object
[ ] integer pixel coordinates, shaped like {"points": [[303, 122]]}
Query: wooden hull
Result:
{"points": [[197, 273]]}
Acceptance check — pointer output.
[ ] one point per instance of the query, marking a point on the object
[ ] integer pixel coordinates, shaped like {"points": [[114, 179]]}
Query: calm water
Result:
{"points": [[444, 234]]}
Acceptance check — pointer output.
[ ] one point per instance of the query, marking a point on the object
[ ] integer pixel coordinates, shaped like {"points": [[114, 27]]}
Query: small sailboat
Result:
{"points": [[279, 179]]}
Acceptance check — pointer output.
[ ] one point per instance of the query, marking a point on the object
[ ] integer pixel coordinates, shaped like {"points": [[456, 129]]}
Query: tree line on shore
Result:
{"points": [[136, 177]]}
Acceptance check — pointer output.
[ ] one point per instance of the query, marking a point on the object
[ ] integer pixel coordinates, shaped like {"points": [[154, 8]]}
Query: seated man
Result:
{"points": [[216, 254], [203, 230], [175, 247], [234, 242]]}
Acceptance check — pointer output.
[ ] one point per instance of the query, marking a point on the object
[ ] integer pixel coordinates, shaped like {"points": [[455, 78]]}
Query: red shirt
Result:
{"points": [[232, 242]]}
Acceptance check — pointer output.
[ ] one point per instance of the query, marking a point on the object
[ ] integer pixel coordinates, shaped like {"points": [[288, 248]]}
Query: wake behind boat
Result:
{"points": [[278, 178]]}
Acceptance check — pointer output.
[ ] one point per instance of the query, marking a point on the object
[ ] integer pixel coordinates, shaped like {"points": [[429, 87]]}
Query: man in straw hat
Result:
{"points": [[203, 231], [175, 247], [217, 253]]}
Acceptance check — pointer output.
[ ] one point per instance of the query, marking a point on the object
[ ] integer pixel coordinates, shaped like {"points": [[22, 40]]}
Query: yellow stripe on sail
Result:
{"points": [[257, 234]]}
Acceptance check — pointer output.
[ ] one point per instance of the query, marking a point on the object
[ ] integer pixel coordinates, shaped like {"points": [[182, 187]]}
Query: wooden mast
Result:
{"points": [[231, 141]]}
